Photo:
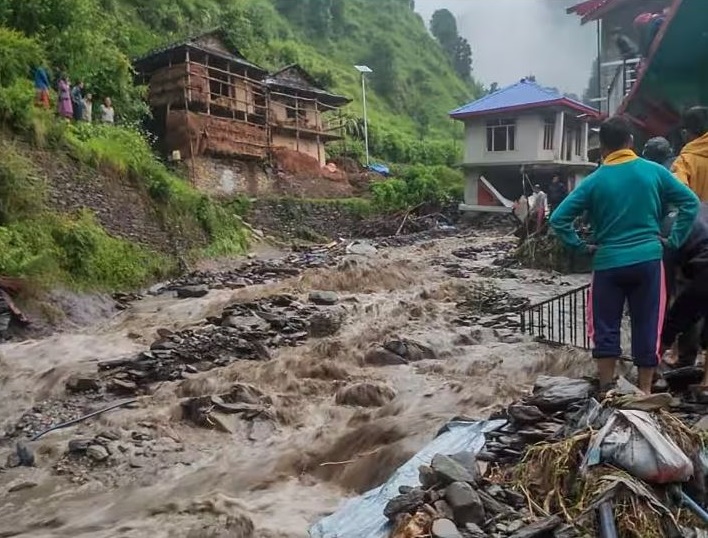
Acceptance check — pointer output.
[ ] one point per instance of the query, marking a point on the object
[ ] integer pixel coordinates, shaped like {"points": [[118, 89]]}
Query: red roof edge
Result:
{"points": [[652, 52], [564, 101]]}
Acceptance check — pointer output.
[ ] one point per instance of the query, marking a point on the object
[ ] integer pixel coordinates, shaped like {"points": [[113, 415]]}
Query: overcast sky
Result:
{"points": [[514, 38]]}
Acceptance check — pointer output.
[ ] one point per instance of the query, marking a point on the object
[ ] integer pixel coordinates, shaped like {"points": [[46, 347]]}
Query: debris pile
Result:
{"points": [[557, 463], [561, 464], [252, 272], [482, 299], [226, 412], [398, 351], [243, 331]]}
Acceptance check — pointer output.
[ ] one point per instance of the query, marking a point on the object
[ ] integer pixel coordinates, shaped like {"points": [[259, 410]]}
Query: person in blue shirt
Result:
{"points": [[41, 86], [626, 199]]}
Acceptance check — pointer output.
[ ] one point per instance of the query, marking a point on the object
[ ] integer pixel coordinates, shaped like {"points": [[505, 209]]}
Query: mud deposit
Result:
{"points": [[260, 409]]}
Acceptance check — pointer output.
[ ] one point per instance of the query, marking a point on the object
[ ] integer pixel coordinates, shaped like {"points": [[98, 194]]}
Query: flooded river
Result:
{"points": [[167, 477]]}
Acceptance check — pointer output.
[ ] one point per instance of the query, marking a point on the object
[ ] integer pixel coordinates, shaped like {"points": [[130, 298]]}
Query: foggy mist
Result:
{"points": [[514, 38]]}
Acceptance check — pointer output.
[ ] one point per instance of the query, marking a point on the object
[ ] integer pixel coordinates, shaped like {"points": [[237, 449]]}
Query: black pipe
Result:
{"points": [[85, 417], [608, 529]]}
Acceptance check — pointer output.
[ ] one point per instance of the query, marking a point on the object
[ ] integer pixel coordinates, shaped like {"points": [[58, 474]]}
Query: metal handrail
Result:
{"points": [[560, 320], [622, 83]]}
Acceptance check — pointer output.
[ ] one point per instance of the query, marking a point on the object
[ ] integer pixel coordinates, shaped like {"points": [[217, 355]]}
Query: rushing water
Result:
{"points": [[277, 480]]}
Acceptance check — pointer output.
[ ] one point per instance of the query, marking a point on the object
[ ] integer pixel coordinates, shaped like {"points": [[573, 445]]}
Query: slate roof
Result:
{"points": [[523, 95], [193, 41], [294, 77]]}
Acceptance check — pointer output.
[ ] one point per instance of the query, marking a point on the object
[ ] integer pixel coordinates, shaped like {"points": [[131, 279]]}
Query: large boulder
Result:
{"points": [[365, 395], [459, 468], [466, 504]]}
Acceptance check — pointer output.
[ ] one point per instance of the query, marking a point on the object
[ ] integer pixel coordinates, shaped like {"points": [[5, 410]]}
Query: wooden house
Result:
{"points": [[301, 114]]}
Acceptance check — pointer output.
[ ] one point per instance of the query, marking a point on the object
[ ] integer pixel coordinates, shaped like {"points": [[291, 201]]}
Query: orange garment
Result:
{"points": [[691, 166], [43, 98]]}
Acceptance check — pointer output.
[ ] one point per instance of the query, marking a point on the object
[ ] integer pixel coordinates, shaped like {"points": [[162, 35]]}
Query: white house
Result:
{"points": [[519, 136]]}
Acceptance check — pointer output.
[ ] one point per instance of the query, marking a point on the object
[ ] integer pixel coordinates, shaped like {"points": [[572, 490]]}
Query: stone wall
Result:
{"points": [[226, 177], [306, 219], [122, 207]]}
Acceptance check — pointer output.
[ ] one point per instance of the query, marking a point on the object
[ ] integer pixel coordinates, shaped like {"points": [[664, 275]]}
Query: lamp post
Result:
{"points": [[363, 69]]}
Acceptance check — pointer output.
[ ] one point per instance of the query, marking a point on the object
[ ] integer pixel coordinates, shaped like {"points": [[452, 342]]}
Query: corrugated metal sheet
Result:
{"points": [[523, 94]]}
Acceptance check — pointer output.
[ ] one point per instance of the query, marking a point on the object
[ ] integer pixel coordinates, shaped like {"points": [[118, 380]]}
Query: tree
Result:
{"points": [[338, 12], [443, 26], [319, 15], [493, 87], [462, 60], [382, 60]]}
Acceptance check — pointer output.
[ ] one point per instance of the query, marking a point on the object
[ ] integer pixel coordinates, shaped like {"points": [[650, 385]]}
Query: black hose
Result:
{"points": [[85, 417]]}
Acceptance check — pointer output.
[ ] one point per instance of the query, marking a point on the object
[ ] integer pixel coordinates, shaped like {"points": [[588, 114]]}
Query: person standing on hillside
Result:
{"points": [[77, 101], [557, 192], [88, 108], [64, 106], [626, 200], [108, 115], [41, 86], [691, 166]]}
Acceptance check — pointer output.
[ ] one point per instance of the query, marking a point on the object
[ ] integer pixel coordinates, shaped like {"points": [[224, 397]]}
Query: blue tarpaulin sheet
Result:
{"points": [[362, 517], [380, 169]]}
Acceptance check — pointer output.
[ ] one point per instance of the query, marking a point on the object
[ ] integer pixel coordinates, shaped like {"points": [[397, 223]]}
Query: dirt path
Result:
{"points": [[276, 476]]}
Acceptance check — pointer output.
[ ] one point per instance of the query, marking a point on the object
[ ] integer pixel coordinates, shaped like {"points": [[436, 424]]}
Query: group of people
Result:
{"points": [[73, 102], [649, 246]]}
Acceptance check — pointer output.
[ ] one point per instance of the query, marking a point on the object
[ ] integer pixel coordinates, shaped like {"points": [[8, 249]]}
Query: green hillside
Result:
{"points": [[412, 88]]}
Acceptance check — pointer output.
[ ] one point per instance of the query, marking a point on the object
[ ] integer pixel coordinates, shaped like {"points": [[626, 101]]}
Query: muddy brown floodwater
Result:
{"points": [[273, 477]]}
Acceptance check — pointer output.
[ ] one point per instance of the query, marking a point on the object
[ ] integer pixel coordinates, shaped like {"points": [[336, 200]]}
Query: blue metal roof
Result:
{"points": [[522, 95]]}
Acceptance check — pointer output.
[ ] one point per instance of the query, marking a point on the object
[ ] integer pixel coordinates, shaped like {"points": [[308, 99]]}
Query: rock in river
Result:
{"points": [[97, 452], [192, 292], [82, 384], [378, 356], [365, 395], [326, 298]]}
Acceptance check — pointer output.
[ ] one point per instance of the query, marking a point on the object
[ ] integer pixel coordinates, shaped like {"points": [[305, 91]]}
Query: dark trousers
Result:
{"points": [[642, 286], [684, 317]]}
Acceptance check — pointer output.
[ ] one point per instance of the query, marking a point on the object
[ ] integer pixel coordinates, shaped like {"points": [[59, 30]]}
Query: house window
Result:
{"points": [[578, 141], [501, 135], [549, 132]]}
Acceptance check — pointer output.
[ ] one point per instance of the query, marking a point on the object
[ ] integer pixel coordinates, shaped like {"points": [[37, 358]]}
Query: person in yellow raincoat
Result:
{"points": [[691, 166]]}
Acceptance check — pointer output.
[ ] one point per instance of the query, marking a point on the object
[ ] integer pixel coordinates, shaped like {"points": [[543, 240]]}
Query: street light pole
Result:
{"points": [[363, 69]]}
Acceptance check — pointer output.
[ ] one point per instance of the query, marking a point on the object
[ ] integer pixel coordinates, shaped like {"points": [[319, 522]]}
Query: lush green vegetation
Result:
{"points": [[414, 84], [51, 248]]}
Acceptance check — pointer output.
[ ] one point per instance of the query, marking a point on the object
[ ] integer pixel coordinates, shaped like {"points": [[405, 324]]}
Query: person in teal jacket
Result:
{"points": [[626, 199]]}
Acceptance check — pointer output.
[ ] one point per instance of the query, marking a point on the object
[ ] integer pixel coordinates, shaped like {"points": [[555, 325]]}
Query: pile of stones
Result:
{"points": [[250, 273], [454, 501], [243, 331]]}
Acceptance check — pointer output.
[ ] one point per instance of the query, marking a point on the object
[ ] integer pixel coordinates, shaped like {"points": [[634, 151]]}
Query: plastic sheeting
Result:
{"points": [[380, 169], [362, 517]]}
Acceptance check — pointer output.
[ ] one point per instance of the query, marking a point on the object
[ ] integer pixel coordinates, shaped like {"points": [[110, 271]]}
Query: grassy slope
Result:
{"points": [[423, 76]]}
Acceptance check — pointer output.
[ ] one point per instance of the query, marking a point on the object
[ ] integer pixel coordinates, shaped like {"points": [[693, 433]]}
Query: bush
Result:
{"points": [[77, 251], [417, 185], [22, 193], [18, 55], [17, 105]]}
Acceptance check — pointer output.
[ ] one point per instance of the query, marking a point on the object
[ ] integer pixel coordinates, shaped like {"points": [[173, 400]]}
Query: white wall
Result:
{"points": [[527, 143]]}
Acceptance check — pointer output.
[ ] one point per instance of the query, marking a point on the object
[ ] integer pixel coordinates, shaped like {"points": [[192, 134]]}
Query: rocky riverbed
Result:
{"points": [[263, 395]]}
